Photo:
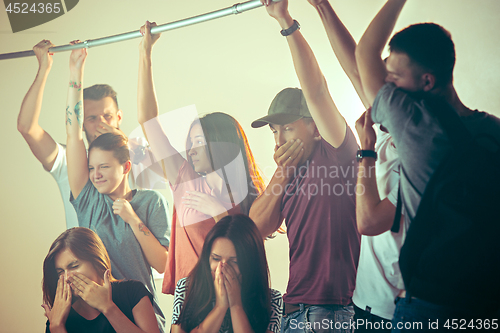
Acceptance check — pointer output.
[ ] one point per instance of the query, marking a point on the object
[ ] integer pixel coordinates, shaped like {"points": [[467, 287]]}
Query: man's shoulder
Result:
{"points": [[480, 122], [341, 154]]}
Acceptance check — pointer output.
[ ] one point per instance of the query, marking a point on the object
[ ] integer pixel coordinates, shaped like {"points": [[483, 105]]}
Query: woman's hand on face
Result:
{"points": [[232, 283], [204, 203], [221, 299], [58, 314], [123, 208], [95, 295]]}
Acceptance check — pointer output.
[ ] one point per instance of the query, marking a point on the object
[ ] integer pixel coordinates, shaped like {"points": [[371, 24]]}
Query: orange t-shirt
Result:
{"points": [[189, 227]]}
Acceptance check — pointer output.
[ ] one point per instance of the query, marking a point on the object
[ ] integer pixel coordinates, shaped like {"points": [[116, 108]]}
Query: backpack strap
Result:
{"points": [[397, 216], [450, 121]]}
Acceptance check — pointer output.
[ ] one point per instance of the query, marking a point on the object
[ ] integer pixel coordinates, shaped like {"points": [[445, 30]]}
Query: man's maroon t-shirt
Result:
{"points": [[319, 211]]}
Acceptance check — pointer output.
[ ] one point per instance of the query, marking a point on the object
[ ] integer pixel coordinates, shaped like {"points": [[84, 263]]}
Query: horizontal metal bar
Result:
{"points": [[235, 9]]}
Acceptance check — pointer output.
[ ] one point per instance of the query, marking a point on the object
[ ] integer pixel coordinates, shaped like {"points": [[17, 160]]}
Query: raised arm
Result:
{"points": [[371, 67], [76, 155], [40, 142], [147, 107], [373, 216], [342, 43], [329, 121]]}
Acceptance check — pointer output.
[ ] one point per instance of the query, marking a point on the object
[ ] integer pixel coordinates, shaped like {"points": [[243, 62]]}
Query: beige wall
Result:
{"points": [[235, 65]]}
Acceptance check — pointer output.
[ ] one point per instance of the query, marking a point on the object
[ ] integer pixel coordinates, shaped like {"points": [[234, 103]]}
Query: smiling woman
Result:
{"points": [[133, 224]]}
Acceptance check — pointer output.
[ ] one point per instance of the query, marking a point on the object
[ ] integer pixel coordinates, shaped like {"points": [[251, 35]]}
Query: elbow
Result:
{"points": [[358, 53], [364, 230], [162, 263], [160, 268], [142, 119], [368, 225], [24, 129]]}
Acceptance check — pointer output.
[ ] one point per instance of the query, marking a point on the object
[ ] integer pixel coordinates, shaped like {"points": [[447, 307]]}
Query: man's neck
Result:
{"points": [[450, 95]]}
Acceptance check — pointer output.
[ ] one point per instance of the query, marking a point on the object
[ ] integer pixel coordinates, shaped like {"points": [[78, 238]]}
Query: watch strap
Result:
{"points": [[366, 153], [295, 26]]}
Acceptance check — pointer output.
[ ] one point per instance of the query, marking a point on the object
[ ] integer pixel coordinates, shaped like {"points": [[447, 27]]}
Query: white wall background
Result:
{"points": [[235, 64]]}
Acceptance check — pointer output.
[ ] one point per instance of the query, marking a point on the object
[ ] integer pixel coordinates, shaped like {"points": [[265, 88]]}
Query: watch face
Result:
{"points": [[359, 156], [365, 153]]}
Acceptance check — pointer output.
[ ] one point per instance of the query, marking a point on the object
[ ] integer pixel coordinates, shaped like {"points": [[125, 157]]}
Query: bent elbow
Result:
{"points": [[160, 268], [23, 129], [368, 226]]}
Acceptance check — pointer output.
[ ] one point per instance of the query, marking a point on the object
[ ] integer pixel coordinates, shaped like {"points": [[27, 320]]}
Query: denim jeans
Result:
{"points": [[319, 318], [368, 322], [416, 315]]}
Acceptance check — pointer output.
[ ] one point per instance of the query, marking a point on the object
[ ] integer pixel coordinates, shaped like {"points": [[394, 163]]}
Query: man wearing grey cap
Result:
{"points": [[313, 190]]}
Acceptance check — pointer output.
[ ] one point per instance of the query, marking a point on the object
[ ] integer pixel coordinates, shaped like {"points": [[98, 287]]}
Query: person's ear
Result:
{"points": [[127, 166], [428, 81], [316, 135], [315, 131], [119, 114]]}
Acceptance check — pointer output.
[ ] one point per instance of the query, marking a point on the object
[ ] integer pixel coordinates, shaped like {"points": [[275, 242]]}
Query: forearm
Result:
{"points": [[369, 50], [147, 105], [155, 253], [371, 217], [119, 321], [266, 209], [343, 45], [57, 328], [76, 155], [147, 114], [239, 320], [32, 103], [329, 121], [308, 72], [212, 322], [74, 105]]}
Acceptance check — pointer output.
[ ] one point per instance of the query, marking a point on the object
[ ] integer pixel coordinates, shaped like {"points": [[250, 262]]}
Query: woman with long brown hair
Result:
{"points": [[218, 176], [81, 295], [228, 289]]}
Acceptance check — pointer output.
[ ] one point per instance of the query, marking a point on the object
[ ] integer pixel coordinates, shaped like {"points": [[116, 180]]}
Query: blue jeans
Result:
{"points": [[319, 318], [416, 315]]}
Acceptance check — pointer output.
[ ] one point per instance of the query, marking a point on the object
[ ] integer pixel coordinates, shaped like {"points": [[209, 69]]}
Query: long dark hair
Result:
{"points": [[85, 245], [225, 140], [252, 263]]}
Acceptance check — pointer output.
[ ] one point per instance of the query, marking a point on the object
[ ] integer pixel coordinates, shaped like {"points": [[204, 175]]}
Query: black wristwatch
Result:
{"points": [[295, 26], [365, 153]]}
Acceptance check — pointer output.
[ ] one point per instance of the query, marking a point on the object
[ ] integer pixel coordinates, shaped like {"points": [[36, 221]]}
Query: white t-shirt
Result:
{"points": [[379, 279], [145, 174]]}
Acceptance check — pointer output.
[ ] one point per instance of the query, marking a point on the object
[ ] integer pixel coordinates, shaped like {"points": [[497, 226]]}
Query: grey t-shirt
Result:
{"points": [[420, 141], [95, 211]]}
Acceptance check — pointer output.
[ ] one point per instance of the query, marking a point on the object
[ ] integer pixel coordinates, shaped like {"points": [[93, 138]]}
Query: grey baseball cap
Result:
{"points": [[288, 106]]}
